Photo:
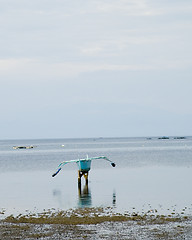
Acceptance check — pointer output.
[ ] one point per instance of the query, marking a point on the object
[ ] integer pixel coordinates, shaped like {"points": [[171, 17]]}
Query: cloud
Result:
{"points": [[86, 7], [128, 7], [36, 70], [117, 45]]}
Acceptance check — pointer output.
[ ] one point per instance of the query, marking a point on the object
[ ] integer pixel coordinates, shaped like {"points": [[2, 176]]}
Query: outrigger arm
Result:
{"points": [[81, 161]]}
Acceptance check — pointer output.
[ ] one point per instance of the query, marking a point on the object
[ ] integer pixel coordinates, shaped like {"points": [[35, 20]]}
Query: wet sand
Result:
{"points": [[108, 230]]}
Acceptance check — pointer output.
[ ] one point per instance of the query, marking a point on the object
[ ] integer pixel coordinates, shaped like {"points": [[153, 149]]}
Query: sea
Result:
{"points": [[152, 175]]}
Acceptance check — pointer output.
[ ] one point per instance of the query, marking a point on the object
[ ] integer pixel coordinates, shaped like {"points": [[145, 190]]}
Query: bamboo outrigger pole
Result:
{"points": [[84, 166]]}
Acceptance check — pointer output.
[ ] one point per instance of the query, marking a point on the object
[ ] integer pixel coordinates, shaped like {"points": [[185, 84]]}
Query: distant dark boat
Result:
{"points": [[179, 137], [163, 138]]}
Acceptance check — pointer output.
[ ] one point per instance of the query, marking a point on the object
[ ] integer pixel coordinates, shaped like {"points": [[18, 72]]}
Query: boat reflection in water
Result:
{"points": [[114, 199], [85, 199]]}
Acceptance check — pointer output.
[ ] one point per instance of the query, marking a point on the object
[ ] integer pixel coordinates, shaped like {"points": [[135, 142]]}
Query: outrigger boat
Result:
{"points": [[84, 166]]}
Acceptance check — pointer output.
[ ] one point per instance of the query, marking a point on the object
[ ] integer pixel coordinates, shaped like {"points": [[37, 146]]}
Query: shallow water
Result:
{"points": [[150, 175]]}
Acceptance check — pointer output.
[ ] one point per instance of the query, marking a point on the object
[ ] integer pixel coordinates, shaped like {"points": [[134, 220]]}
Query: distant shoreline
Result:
{"points": [[98, 138]]}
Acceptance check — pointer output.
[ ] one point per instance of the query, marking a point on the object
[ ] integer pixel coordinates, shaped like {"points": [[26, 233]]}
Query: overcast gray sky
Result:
{"points": [[95, 68]]}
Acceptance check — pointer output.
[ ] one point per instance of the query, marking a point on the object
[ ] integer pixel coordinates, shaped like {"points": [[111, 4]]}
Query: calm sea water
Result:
{"points": [[149, 174]]}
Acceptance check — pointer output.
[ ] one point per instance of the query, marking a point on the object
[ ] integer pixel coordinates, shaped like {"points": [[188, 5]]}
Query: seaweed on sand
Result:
{"points": [[94, 223], [90, 216]]}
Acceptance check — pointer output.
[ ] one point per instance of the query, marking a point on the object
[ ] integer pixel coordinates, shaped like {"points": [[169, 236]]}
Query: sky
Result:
{"points": [[92, 68]]}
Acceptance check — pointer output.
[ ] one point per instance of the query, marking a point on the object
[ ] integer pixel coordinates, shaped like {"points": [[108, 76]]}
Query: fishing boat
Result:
{"points": [[84, 166], [22, 147]]}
